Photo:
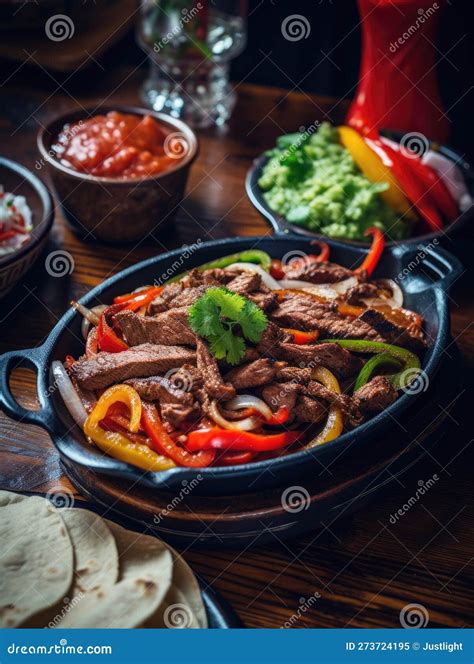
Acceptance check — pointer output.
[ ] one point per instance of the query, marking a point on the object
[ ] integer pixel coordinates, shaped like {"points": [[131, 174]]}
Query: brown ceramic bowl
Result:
{"points": [[22, 182], [112, 209]]}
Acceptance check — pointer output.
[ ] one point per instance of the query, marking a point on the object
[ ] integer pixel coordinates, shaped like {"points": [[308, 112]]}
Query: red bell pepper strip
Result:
{"points": [[231, 440], [436, 188], [276, 269], [136, 300], [162, 442], [107, 339], [413, 188], [280, 417], [7, 235], [376, 250], [301, 338], [323, 255], [234, 458]]}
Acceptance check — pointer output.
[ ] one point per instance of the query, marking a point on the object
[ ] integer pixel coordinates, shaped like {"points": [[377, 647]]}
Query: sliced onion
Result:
{"points": [[267, 279], [396, 300], [246, 424], [249, 401], [90, 316], [68, 392]]}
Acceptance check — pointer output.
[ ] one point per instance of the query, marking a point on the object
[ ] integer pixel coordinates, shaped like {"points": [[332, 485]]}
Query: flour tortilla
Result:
{"points": [[96, 563], [146, 569], [36, 557], [186, 583]]}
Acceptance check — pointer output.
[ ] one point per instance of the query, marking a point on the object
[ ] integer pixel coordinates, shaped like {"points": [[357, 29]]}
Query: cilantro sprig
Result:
{"points": [[226, 319]]}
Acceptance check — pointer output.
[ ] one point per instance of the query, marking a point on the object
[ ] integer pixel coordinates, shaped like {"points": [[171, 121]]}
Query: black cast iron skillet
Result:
{"points": [[424, 274], [282, 226]]}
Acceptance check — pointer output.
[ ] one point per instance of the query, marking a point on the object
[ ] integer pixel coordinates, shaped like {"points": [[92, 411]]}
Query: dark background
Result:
{"points": [[326, 63]]}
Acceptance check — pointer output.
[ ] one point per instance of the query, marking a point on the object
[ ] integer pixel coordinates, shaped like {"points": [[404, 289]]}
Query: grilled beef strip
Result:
{"points": [[161, 301], [340, 360], [169, 328], [277, 395], [214, 384], [310, 410], [375, 396], [306, 313], [245, 283], [349, 408], [259, 372], [176, 405], [362, 290], [105, 369], [318, 273], [411, 336]]}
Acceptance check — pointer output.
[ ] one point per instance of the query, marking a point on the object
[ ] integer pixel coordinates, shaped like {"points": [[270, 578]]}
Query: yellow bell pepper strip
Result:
{"points": [[375, 170], [409, 360], [334, 424], [116, 444]]}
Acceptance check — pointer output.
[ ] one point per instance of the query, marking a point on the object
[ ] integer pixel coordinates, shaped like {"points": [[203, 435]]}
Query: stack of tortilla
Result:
{"points": [[68, 567]]}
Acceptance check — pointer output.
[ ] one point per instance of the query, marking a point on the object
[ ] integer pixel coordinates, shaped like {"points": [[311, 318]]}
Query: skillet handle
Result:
{"points": [[440, 262], [31, 358]]}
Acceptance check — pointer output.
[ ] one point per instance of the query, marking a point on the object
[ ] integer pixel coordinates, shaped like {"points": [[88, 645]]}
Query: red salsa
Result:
{"points": [[119, 145]]}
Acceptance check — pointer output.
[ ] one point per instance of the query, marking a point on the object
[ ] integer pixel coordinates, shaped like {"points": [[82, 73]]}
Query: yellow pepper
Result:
{"points": [[334, 424], [375, 170], [116, 444]]}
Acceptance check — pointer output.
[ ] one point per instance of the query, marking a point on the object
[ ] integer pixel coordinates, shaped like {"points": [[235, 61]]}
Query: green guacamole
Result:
{"points": [[312, 181]]}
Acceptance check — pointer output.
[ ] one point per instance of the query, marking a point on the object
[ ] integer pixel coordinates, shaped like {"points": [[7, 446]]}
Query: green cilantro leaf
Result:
{"points": [[218, 316]]}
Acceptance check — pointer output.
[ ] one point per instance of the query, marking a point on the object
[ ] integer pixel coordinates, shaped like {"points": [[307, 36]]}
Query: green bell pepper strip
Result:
{"points": [[249, 256], [408, 359], [375, 362]]}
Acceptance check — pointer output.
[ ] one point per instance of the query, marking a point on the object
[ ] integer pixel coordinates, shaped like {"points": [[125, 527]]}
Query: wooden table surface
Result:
{"points": [[364, 568]]}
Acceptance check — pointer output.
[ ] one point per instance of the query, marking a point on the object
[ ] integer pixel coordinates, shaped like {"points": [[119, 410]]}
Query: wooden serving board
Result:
{"points": [[348, 484]]}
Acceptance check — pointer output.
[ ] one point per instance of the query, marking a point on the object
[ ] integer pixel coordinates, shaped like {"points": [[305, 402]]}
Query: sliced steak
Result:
{"points": [[266, 301], [310, 410], [160, 388], [259, 372], [410, 336], [375, 396], [294, 374], [245, 283], [161, 301], [305, 313], [362, 290], [332, 356], [105, 369], [169, 328], [317, 273], [271, 338], [350, 410], [209, 370], [278, 395]]}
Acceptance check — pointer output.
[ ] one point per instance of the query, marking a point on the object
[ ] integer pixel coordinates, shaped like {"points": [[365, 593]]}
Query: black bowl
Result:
{"points": [[425, 275], [282, 226]]}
